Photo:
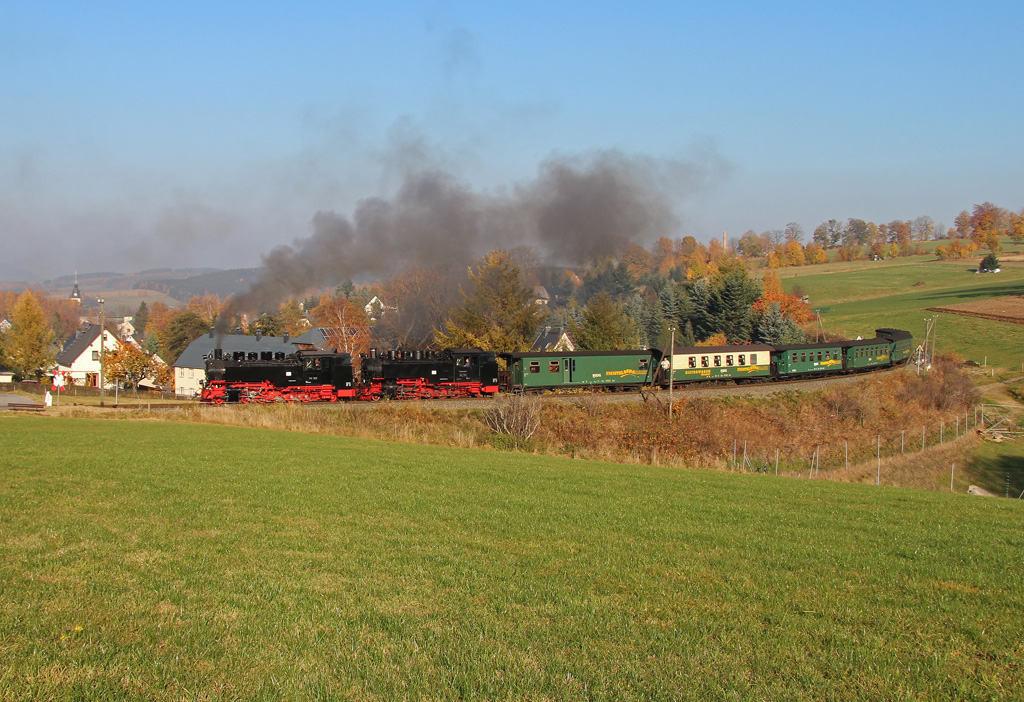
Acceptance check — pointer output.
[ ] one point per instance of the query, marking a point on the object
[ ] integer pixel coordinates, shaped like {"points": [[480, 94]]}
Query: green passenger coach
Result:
{"points": [[901, 344], [550, 370], [794, 359]]}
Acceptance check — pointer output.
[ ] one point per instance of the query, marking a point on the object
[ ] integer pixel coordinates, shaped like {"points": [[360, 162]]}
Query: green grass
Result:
{"points": [[154, 560], [897, 294]]}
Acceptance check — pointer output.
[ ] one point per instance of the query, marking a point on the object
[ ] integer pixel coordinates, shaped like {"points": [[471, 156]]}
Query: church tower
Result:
{"points": [[75, 294]]}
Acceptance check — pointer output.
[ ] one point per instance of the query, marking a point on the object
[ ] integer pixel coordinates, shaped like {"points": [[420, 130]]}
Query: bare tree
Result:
{"points": [[794, 232], [924, 228]]}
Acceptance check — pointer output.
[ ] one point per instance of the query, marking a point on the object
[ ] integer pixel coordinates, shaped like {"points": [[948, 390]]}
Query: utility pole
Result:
{"points": [[103, 362], [671, 369]]}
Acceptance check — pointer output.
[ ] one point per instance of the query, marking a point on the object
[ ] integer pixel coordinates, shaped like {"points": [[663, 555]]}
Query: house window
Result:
{"points": [[191, 373], [95, 355], [181, 372]]}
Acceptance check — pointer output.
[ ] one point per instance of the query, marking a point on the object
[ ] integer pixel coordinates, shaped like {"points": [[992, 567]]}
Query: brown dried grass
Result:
{"points": [[842, 424]]}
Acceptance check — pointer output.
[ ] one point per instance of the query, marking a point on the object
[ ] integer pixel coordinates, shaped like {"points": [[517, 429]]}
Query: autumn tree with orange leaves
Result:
{"points": [[348, 328]]}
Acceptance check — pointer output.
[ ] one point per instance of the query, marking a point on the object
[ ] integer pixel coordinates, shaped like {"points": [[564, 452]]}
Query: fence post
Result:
{"points": [[952, 469], [878, 478], [922, 437], [902, 433], [846, 446], [776, 461], [942, 432]]}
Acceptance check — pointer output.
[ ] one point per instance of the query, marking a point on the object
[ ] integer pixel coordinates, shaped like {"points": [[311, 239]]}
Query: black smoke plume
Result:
{"points": [[575, 210]]}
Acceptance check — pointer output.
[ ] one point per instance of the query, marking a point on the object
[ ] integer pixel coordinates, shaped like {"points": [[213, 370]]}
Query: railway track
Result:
{"points": [[761, 389]]}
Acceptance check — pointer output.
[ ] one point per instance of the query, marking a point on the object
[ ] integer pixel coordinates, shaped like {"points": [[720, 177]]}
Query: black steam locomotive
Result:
{"points": [[320, 376]]}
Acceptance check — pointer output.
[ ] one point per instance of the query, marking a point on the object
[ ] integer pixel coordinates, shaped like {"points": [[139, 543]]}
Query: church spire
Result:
{"points": [[75, 294]]}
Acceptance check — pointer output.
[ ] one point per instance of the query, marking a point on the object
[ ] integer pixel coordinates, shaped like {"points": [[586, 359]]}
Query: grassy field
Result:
{"points": [[865, 295], [166, 561]]}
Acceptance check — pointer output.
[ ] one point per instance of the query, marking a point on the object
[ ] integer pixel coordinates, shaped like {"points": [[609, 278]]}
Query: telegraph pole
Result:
{"points": [[671, 370], [103, 362]]}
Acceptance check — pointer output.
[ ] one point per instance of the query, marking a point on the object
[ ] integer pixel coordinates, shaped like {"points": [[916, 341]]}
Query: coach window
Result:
{"points": [[753, 359], [703, 361], [553, 367], [643, 364], [743, 359], [535, 366], [693, 361], [819, 357], [718, 361], [803, 357], [796, 357], [728, 360]]}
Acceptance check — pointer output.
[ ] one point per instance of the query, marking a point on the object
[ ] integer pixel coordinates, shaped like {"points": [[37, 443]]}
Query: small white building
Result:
{"points": [[80, 357]]}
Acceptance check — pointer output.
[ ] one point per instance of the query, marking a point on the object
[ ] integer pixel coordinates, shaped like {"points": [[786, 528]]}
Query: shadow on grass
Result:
{"points": [[999, 474]]}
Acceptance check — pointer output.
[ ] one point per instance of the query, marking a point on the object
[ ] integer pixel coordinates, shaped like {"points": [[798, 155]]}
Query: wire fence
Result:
{"points": [[992, 421]]}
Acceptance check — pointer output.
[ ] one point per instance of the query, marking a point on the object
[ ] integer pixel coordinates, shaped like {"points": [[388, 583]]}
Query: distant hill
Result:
{"points": [[219, 283], [166, 284]]}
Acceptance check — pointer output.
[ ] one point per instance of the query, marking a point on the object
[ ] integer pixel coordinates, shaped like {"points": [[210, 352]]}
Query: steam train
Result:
{"points": [[319, 376]]}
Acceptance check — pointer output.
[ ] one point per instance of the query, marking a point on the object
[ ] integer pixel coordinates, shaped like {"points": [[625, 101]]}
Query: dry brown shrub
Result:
{"points": [[515, 416]]}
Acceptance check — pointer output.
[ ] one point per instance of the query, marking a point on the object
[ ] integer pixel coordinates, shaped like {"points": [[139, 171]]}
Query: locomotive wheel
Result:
{"points": [[376, 397]]}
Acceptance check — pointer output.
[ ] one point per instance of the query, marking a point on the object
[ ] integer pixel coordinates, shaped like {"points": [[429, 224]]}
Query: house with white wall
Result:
{"points": [[80, 357]]}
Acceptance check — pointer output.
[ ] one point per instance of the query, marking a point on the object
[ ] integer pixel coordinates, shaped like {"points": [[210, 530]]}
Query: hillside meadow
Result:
{"points": [[158, 560], [861, 296]]}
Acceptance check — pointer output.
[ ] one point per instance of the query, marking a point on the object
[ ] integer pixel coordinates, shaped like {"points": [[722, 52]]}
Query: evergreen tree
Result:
{"points": [[702, 304], [141, 318], [181, 331], [773, 327], [605, 325], [267, 324], [688, 338], [989, 263], [731, 310], [637, 313], [499, 315]]}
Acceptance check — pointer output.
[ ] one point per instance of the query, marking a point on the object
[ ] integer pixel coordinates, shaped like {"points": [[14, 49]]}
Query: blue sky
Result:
{"points": [[138, 135]]}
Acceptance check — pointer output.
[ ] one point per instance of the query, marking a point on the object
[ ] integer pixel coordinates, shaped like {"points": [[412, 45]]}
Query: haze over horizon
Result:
{"points": [[198, 135]]}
